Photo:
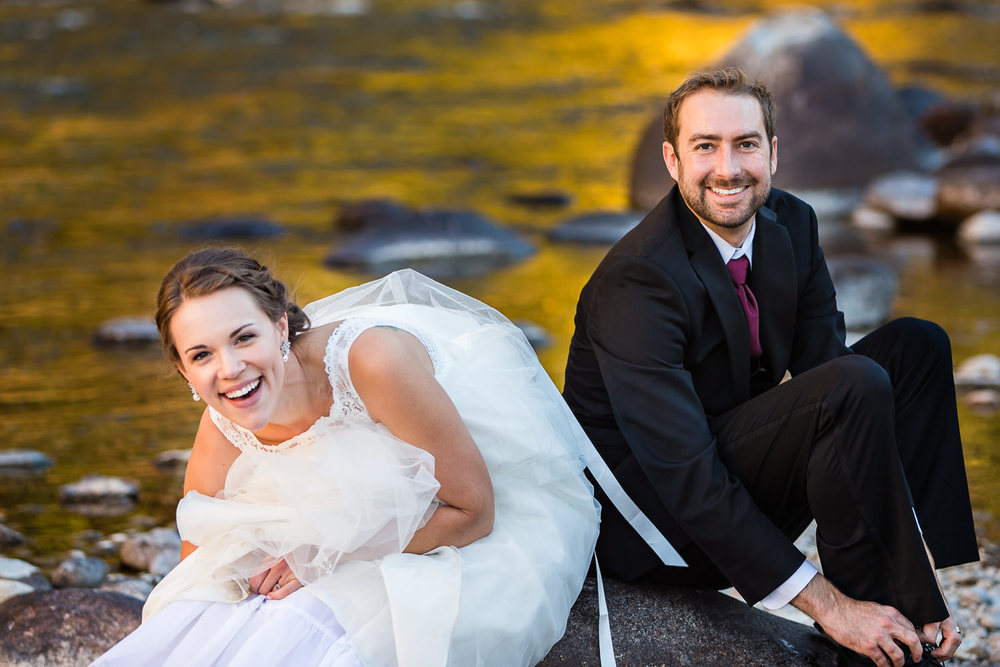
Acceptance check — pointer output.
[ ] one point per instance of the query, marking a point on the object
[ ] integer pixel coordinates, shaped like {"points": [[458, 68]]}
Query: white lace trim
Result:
{"points": [[346, 402], [346, 405]]}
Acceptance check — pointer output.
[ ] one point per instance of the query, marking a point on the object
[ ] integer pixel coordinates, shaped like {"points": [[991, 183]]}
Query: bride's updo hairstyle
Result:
{"points": [[212, 269]]}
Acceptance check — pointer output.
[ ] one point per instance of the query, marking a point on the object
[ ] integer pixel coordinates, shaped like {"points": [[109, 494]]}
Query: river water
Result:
{"points": [[122, 121]]}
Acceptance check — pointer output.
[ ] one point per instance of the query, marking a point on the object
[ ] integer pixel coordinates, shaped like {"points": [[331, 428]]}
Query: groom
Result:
{"points": [[683, 335]]}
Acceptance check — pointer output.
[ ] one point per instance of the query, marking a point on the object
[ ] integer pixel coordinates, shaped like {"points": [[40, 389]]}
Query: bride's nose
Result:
{"points": [[231, 364]]}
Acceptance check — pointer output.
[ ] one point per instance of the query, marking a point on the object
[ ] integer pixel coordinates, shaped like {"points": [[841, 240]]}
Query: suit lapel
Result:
{"points": [[773, 283], [707, 263]]}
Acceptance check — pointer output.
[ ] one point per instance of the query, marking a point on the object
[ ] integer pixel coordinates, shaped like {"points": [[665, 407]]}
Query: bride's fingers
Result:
{"points": [[256, 580], [288, 586]]}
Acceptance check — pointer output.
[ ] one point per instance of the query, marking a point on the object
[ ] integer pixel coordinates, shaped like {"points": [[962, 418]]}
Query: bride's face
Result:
{"points": [[230, 352]]}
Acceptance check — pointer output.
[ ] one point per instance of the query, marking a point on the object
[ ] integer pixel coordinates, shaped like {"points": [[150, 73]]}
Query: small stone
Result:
{"points": [[985, 400], [104, 548], [135, 587], [127, 330], [991, 620], [993, 646], [15, 569], [866, 217], [138, 552], [9, 537], [968, 189], [14, 462], [80, 571], [605, 228], [982, 370], [172, 460], [232, 228], [542, 199], [98, 489], [164, 561], [981, 228]]}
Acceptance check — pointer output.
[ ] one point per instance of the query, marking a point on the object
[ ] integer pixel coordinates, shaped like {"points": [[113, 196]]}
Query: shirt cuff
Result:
{"points": [[784, 593]]}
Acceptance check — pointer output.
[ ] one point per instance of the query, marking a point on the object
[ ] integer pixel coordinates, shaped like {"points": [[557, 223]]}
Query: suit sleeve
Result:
{"points": [[638, 328], [819, 325]]}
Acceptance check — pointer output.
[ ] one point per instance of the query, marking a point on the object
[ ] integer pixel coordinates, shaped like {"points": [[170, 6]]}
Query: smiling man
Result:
{"points": [[683, 336]]}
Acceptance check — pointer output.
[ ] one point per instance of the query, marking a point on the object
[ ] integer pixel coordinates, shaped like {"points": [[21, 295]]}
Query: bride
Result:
{"points": [[387, 477]]}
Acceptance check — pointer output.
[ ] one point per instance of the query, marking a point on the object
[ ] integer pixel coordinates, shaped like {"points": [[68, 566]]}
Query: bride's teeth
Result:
{"points": [[731, 191], [244, 391]]}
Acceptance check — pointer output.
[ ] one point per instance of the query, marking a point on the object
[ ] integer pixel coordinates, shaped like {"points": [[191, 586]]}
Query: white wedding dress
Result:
{"points": [[341, 500]]}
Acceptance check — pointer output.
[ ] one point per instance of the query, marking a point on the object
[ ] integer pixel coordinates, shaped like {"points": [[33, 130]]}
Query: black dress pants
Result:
{"points": [[859, 443]]}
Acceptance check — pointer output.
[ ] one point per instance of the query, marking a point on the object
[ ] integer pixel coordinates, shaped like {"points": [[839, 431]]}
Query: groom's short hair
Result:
{"points": [[728, 80]]}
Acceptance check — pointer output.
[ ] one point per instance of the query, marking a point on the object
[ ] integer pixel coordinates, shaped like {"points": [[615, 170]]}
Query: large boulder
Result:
{"points": [[839, 121], [665, 625], [385, 236], [71, 626]]}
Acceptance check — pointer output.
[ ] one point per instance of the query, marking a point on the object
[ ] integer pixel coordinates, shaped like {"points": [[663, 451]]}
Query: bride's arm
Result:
{"points": [[211, 457], [394, 377]]}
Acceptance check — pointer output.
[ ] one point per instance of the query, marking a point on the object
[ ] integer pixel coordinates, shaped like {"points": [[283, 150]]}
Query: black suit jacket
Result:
{"points": [[661, 347]]}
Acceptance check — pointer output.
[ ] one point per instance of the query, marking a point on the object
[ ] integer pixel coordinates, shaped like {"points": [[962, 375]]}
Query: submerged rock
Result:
{"points": [[219, 229], [128, 330], [99, 495], [72, 626], [439, 243], [542, 199], [16, 462], [865, 288], [665, 625], [9, 537], [15, 570], [605, 228], [172, 460]]}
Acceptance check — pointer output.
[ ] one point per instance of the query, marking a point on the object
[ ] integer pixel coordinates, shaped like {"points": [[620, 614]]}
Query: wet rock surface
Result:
{"points": [[905, 195], [72, 626], [232, 228], [157, 551]]}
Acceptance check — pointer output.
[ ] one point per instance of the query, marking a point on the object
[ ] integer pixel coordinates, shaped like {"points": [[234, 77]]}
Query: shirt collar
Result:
{"points": [[729, 252]]}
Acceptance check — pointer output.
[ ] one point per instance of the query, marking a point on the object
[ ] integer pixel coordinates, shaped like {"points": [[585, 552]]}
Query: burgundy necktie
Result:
{"points": [[738, 269]]}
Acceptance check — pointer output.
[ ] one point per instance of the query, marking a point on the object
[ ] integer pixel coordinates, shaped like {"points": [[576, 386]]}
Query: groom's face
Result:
{"points": [[723, 161]]}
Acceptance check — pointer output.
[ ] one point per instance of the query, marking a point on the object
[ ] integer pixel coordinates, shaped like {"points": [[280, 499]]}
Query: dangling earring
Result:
{"points": [[286, 347], [194, 392]]}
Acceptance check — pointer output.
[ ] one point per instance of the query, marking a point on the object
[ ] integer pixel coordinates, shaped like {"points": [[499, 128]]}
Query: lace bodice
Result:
{"points": [[346, 405]]}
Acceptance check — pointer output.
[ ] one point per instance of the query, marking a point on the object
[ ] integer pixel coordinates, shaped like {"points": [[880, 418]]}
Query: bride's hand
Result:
{"points": [[275, 582]]}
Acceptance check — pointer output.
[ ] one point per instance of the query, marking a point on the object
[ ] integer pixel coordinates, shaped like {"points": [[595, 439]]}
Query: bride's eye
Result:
{"points": [[199, 356], [243, 338]]}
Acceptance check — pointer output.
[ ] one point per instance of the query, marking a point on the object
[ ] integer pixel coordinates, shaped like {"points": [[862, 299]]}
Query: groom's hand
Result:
{"points": [[877, 631]]}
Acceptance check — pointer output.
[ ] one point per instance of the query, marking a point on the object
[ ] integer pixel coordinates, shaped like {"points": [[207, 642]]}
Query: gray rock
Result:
{"points": [[866, 217], [865, 288], [137, 588], [9, 537], [127, 330], [17, 462], [139, 551], [906, 195], [13, 569], [172, 460], [542, 199], [165, 560], [980, 228], [663, 625], [99, 495], [72, 626], [605, 228], [839, 121], [983, 400], [79, 571], [981, 371], [441, 244]]}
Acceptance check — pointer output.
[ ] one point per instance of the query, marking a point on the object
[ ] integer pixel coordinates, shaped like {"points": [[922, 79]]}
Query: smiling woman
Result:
{"points": [[399, 472]]}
